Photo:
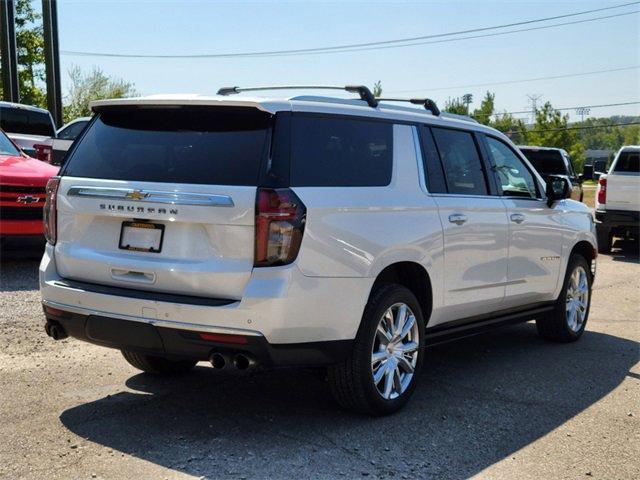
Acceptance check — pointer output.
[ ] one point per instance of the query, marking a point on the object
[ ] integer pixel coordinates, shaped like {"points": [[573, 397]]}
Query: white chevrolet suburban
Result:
{"points": [[618, 199], [337, 232]]}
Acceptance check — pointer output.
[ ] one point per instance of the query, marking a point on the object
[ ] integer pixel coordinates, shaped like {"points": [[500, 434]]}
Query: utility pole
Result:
{"points": [[467, 99], [533, 104], [52, 59], [8, 50]]}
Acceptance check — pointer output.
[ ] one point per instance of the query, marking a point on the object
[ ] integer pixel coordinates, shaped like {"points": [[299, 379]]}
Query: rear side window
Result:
{"points": [[72, 131], [461, 162], [21, 120], [340, 152], [216, 146], [628, 162]]}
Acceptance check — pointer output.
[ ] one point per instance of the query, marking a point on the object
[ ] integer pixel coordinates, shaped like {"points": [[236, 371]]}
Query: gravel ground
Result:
{"points": [[502, 405]]}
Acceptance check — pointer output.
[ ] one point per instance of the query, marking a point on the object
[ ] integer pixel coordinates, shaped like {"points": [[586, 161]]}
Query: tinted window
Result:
{"points": [[72, 131], [513, 176], [628, 162], [547, 162], [433, 167], [340, 152], [21, 120], [7, 147], [218, 146], [461, 162]]}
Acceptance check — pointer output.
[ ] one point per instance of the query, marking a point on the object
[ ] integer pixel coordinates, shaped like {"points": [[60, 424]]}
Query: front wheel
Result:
{"points": [[381, 372], [567, 321]]}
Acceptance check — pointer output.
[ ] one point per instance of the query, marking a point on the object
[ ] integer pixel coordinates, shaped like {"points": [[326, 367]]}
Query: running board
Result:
{"points": [[473, 326]]}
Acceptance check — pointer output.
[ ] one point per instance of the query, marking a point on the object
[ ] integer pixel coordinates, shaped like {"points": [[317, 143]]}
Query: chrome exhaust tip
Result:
{"points": [[243, 362], [218, 361]]}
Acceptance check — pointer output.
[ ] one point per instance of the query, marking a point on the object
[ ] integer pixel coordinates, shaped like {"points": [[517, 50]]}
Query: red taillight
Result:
{"points": [[280, 218], [224, 338], [44, 152], [602, 190], [49, 214]]}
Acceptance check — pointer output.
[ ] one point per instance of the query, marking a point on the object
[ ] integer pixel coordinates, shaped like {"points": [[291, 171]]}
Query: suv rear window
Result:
{"points": [[340, 152], [546, 162], [21, 120], [628, 162], [198, 145]]}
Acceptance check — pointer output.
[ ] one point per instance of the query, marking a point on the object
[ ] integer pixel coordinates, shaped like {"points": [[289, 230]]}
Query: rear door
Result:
{"points": [[535, 230], [474, 224], [162, 199]]}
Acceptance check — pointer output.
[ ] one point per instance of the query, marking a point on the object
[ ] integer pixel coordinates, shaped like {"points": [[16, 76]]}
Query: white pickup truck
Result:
{"points": [[618, 199]]}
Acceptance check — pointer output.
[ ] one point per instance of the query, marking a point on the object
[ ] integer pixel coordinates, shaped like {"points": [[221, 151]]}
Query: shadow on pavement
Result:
{"points": [[479, 400], [625, 251]]}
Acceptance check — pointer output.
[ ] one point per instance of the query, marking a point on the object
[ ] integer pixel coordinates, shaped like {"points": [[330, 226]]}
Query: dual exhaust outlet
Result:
{"points": [[239, 361]]}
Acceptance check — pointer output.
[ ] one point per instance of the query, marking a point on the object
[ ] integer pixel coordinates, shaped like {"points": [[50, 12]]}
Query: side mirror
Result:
{"points": [[558, 188]]}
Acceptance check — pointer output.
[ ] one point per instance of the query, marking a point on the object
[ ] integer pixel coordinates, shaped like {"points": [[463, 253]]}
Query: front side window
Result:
{"points": [[461, 162], [340, 152], [513, 176]]}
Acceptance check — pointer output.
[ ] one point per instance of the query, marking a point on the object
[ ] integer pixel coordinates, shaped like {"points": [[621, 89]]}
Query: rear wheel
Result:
{"points": [[157, 365], [567, 321], [381, 373]]}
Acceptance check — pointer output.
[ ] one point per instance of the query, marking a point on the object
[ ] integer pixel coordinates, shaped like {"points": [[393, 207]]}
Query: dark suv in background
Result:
{"points": [[554, 161]]}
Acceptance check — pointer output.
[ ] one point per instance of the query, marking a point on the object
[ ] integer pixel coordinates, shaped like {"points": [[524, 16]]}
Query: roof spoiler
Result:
{"points": [[364, 92]]}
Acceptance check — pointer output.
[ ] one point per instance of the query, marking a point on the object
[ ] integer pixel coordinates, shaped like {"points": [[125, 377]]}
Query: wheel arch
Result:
{"points": [[413, 276]]}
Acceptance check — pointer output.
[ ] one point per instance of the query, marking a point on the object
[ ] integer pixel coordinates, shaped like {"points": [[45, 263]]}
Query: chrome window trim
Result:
{"points": [[152, 196]]}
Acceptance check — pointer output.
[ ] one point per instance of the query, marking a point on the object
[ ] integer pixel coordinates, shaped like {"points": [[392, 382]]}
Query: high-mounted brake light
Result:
{"points": [[44, 152], [602, 191], [50, 214], [280, 219]]}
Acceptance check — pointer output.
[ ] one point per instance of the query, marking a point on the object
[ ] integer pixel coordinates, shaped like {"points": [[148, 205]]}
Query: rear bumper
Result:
{"points": [[177, 343], [279, 306], [617, 221]]}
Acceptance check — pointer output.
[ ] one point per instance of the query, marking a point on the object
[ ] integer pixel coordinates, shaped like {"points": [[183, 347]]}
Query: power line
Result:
{"points": [[509, 82], [402, 42], [560, 109], [589, 127]]}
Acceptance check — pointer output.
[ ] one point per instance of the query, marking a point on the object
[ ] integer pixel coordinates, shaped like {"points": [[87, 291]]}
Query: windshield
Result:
{"points": [[546, 162], [21, 120], [7, 147], [215, 146]]}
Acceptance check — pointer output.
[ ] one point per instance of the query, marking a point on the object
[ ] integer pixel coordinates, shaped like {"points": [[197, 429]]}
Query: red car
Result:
{"points": [[22, 190]]}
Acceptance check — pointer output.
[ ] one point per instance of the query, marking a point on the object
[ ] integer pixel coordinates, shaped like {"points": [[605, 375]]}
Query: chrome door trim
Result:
{"points": [[152, 196]]}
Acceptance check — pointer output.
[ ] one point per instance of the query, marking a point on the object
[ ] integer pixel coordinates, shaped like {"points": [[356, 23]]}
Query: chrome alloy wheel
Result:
{"points": [[394, 354], [577, 298]]}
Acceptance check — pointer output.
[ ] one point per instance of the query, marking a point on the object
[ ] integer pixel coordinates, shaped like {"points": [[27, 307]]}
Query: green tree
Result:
{"points": [[550, 130], [87, 87], [455, 105], [377, 89], [514, 128], [486, 110], [467, 99], [30, 44]]}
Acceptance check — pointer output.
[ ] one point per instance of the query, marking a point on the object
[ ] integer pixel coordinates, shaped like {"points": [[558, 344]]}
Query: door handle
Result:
{"points": [[457, 218], [517, 217]]}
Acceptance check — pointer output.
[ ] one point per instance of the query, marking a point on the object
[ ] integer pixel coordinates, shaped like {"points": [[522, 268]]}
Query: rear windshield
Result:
{"points": [[21, 120], [546, 162], [628, 162], [7, 147], [340, 152], [215, 146]]}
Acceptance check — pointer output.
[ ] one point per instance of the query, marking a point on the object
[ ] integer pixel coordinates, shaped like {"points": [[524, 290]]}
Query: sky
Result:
{"points": [[439, 71]]}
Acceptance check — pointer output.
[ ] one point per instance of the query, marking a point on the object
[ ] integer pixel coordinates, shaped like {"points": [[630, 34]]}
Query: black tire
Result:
{"points": [[605, 240], [351, 381], [157, 365], [554, 326]]}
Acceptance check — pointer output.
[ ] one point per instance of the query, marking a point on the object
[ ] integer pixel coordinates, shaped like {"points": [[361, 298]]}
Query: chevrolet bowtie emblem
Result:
{"points": [[27, 199], [136, 195]]}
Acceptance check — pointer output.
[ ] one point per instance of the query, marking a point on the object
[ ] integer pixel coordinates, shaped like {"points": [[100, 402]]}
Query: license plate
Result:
{"points": [[141, 236]]}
